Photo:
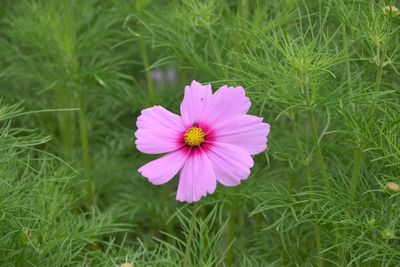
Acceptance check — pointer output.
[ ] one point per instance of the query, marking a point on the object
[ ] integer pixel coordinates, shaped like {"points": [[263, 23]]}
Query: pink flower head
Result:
{"points": [[211, 141]]}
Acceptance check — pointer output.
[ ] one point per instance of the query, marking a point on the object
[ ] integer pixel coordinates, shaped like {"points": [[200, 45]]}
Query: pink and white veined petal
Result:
{"points": [[163, 169], [197, 178], [231, 163], [225, 103], [159, 131], [194, 101], [246, 131]]}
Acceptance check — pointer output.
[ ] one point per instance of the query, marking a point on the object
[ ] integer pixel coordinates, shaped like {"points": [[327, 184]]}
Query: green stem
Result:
{"points": [[311, 119], [186, 260], [21, 262], [182, 77], [356, 170], [355, 177], [321, 162], [65, 124], [314, 130], [87, 168], [292, 181], [216, 53], [145, 62], [242, 15], [388, 205], [243, 9], [378, 76], [67, 45], [320, 157], [231, 237], [318, 243], [307, 172], [319, 246], [381, 58], [346, 48], [293, 177]]}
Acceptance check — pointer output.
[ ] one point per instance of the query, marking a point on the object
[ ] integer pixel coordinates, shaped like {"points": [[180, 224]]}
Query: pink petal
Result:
{"points": [[225, 103], [246, 131], [159, 131], [163, 169], [194, 101], [158, 140], [231, 163], [197, 178]]}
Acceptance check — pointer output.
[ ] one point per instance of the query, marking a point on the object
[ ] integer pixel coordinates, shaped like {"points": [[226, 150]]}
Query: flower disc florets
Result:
{"points": [[194, 136]]}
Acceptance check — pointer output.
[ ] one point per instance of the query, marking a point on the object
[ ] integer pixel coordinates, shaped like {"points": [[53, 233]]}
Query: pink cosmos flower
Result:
{"points": [[213, 140]]}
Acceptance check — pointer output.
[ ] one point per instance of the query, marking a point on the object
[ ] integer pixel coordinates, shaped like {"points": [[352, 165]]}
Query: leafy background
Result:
{"points": [[74, 76]]}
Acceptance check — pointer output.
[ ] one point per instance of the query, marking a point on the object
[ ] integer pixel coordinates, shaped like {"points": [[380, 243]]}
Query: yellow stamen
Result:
{"points": [[194, 136]]}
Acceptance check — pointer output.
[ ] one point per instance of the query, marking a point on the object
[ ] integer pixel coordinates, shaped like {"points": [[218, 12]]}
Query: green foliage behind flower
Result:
{"points": [[325, 74]]}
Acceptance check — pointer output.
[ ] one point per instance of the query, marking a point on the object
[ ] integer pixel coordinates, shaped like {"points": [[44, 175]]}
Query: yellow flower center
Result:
{"points": [[194, 136]]}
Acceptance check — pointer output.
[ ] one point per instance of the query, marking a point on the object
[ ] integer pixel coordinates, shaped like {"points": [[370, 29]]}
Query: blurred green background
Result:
{"points": [[74, 76]]}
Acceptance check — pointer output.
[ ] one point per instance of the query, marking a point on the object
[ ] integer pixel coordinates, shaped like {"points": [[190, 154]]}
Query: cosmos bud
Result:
{"points": [[388, 234], [392, 187], [391, 10]]}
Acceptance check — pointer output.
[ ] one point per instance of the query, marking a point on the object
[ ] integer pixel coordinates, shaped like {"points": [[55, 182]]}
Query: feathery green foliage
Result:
{"points": [[324, 74]]}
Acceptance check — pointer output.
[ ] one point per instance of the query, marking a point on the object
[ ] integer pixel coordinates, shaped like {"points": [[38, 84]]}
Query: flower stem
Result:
{"points": [[231, 237], [216, 52], [348, 67], [243, 9], [321, 162], [145, 62], [315, 138], [293, 176], [320, 157], [87, 168], [356, 170], [381, 58], [355, 177], [65, 124], [21, 262], [186, 260], [318, 243]]}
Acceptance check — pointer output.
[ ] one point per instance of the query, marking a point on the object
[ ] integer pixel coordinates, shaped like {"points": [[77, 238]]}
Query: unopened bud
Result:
{"points": [[392, 187], [28, 232], [126, 264], [388, 234], [391, 10], [371, 221]]}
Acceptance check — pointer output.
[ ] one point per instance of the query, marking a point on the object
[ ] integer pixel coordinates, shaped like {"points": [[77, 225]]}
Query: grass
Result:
{"points": [[75, 75]]}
